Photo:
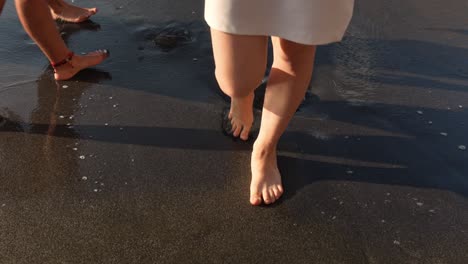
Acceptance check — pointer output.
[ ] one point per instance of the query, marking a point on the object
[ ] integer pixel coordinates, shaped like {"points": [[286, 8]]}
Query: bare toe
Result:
{"points": [[96, 57], [272, 195], [93, 10], [245, 132], [236, 130], [277, 192], [255, 198], [266, 197]]}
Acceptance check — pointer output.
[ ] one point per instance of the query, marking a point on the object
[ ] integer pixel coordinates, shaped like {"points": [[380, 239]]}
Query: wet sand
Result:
{"points": [[127, 163]]}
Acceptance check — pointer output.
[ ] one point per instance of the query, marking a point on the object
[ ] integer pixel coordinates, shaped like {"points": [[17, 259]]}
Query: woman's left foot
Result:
{"points": [[266, 183], [70, 13]]}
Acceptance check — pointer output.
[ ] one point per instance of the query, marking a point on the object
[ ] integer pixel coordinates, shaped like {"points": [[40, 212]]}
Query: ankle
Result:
{"points": [[264, 148], [243, 98], [63, 60]]}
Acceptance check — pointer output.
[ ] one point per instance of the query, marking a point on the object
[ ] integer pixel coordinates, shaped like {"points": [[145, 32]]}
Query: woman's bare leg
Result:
{"points": [[289, 78], [38, 23], [240, 67]]}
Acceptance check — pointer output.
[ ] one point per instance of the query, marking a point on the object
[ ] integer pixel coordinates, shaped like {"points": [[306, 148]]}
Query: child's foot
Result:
{"points": [[70, 13], [78, 63], [266, 178], [241, 116]]}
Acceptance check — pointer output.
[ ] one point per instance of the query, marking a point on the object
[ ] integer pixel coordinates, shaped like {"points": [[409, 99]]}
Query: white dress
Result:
{"points": [[312, 22]]}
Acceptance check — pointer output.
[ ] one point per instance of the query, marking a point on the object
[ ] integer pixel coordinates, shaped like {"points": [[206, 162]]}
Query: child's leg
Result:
{"points": [[38, 23], [2, 3], [289, 78]]}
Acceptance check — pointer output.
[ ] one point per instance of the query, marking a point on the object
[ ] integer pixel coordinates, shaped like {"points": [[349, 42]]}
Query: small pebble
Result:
{"points": [[432, 211], [115, 105], [84, 178], [65, 86], [460, 106], [75, 149], [419, 112], [346, 137], [102, 184], [383, 221], [396, 242], [322, 212], [350, 172], [82, 157], [106, 124], [110, 97], [444, 134], [334, 217], [419, 204], [462, 147], [388, 194], [71, 117], [429, 122], [126, 183], [61, 117], [96, 190], [121, 128]]}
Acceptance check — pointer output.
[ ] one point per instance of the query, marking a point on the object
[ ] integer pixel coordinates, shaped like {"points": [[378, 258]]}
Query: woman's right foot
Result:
{"points": [[241, 116], [78, 63]]}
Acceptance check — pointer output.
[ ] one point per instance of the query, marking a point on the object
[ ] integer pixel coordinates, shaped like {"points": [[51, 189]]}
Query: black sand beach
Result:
{"points": [[127, 163]]}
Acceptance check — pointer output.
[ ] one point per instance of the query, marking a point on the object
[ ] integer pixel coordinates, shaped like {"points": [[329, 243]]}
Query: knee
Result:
{"points": [[239, 84]]}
